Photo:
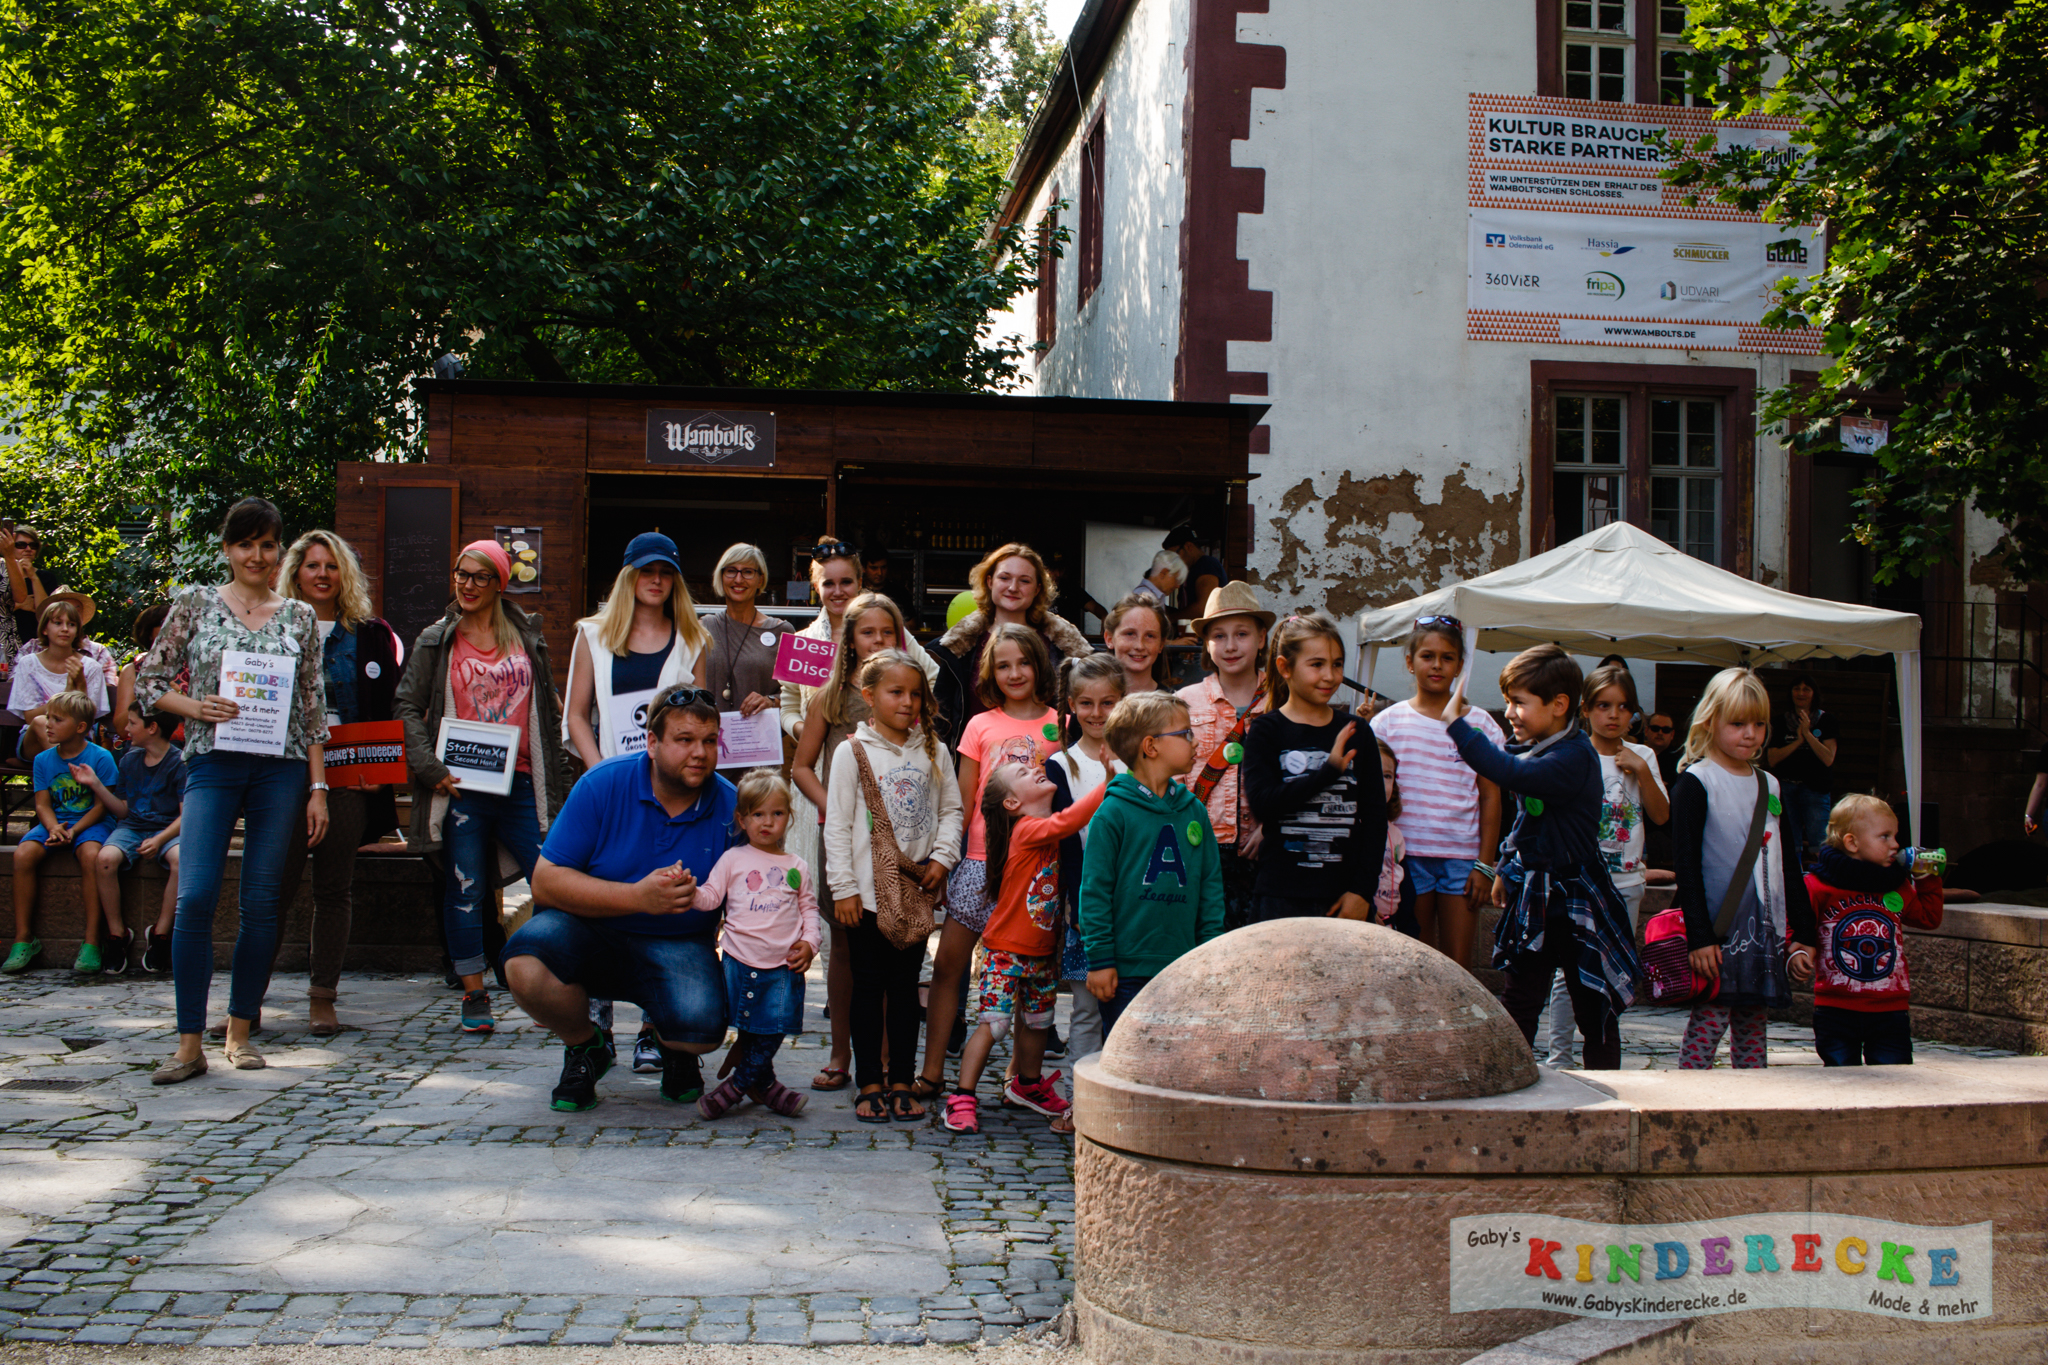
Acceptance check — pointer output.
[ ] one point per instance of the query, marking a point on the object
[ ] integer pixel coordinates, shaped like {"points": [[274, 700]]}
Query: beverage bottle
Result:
{"points": [[1924, 862]]}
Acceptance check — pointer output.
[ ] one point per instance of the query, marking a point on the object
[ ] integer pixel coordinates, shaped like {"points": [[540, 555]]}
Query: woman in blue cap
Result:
{"points": [[644, 639]]}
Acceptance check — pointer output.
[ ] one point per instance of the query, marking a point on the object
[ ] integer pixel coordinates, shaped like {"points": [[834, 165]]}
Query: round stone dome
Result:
{"points": [[1319, 1011]]}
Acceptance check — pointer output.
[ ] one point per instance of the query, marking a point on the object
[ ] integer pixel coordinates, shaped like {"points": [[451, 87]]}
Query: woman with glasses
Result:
{"points": [[31, 586], [488, 660], [741, 668]]}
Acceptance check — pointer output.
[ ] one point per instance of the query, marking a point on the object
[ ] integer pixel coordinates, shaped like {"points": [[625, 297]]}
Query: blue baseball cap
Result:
{"points": [[652, 547]]}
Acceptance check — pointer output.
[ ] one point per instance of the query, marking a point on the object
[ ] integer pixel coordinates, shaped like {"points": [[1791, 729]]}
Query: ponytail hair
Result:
{"points": [[1076, 672], [877, 664], [1288, 638], [997, 822]]}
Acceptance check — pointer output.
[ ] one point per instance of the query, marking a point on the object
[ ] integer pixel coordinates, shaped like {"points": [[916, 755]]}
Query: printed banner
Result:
{"points": [[261, 685], [627, 718], [1721, 1265], [1574, 238], [1718, 279], [521, 545], [370, 753], [801, 660]]}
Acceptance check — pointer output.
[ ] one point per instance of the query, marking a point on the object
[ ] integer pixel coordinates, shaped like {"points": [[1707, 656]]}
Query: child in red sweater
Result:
{"points": [[1863, 898], [1017, 964]]}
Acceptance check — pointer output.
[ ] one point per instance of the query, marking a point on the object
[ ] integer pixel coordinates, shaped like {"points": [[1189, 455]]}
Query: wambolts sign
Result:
{"points": [[686, 436]]}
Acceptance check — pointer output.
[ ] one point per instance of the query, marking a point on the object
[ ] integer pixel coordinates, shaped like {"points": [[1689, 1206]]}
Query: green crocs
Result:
{"points": [[88, 962], [21, 954]]}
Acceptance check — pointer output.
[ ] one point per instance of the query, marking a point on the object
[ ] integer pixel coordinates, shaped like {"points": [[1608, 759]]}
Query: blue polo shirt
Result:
{"points": [[612, 828]]}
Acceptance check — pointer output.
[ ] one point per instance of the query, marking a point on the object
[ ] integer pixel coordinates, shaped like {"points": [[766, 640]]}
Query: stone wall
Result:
{"points": [[395, 926]]}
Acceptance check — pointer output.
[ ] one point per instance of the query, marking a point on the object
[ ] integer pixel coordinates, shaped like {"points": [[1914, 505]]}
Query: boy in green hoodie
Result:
{"points": [[1151, 879]]}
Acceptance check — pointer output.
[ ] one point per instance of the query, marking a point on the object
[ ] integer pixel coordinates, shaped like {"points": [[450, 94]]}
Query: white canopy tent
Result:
{"points": [[1620, 585]]}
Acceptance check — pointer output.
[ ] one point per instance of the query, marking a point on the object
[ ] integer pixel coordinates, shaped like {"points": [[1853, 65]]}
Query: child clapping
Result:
{"points": [[771, 935]]}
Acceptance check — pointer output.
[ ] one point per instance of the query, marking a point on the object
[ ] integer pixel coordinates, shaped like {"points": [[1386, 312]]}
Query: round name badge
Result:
{"points": [[1894, 902], [1051, 732], [768, 637], [1233, 752], [794, 878], [1533, 804], [1194, 832], [373, 669]]}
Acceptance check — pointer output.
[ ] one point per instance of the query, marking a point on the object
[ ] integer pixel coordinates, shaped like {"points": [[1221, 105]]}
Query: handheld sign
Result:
{"points": [[481, 757], [806, 662], [261, 685], [370, 753], [750, 741], [627, 717]]}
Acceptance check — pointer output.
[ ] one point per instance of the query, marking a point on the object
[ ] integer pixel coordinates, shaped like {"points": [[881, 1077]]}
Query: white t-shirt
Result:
{"points": [[1084, 775], [1439, 794], [1622, 827]]}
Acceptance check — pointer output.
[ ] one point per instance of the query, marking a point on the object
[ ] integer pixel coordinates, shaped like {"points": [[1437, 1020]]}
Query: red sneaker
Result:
{"points": [[1038, 1095], [960, 1114]]}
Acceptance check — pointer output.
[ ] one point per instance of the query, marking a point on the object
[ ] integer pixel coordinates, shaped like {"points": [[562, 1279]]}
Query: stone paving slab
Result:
{"points": [[403, 1185]]}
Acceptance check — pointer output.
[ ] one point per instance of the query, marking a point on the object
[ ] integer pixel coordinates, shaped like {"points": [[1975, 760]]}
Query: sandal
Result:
{"points": [[924, 1089], [873, 1107], [782, 1100], [831, 1078], [904, 1106], [714, 1103], [1064, 1124]]}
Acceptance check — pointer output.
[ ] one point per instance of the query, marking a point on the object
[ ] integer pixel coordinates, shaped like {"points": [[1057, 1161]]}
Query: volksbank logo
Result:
{"points": [[1600, 284], [1791, 251], [1499, 239], [1709, 252]]}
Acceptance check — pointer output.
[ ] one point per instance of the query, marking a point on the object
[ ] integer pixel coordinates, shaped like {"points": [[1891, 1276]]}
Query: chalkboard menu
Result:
{"points": [[418, 541]]}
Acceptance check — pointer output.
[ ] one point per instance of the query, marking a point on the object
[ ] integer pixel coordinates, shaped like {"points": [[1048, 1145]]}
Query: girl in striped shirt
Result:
{"points": [[1450, 816]]}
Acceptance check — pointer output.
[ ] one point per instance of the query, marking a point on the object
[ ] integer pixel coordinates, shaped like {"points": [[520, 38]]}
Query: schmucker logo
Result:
{"points": [[722, 438]]}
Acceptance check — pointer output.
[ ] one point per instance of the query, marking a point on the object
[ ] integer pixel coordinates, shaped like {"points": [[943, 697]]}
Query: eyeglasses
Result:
{"points": [[740, 571], [1450, 622], [1187, 734], [476, 580]]}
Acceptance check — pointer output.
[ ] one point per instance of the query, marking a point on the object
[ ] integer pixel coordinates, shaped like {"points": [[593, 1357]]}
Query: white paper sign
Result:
{"points": [[483, 758], [628, 720], [750, 741], [260, 684], [1721, 1265], [1865, 435]]}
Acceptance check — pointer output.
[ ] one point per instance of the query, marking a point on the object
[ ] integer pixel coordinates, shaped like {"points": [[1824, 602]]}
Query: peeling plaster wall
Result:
{"points": [[1400, 450], [1121, 343]]}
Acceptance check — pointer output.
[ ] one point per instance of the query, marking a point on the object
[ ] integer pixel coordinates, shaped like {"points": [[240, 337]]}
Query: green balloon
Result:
{"points": [[957, 609]]}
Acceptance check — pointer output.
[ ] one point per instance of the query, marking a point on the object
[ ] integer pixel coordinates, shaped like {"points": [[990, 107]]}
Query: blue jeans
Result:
{"points": [[1862, 1037], [1806, 811], [476, 821], [677, 982], [267, 794], [1127, 988]]}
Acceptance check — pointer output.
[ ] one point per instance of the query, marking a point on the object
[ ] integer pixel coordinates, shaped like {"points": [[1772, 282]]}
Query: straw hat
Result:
{"points": [[76, 599], [1233, 599]]}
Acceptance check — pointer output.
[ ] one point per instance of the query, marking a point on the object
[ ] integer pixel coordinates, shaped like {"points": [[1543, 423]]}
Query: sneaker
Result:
{"points": [[20, 955], [583, 1065], [156, 950], [1036, 1095], [647, 1050], [476, 1013], [87, 963], [116, 955], [960, 1112], [611, 1044], [682, 1077], [1055, 1046]]}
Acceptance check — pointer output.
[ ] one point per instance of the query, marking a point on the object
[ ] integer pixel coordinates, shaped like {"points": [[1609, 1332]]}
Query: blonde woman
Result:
{"points": [[644, 639], [743, 637], [360, 660], [486, 661]]}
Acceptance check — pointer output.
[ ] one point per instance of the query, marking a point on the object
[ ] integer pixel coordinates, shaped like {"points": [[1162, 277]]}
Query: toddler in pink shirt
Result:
{"points": [[771, 935]]}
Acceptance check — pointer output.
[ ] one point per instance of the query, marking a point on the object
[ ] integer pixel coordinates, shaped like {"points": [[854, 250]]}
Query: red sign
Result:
{"points": [[368, 754], [806, 662]]}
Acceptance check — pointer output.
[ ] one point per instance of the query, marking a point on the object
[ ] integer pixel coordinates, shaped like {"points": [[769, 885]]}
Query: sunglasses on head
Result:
{"points": [[1446, 622], [834, 549]]}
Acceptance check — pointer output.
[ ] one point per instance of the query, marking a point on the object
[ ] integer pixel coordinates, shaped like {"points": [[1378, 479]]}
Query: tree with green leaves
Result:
{"points": [[1005, 49], [235, 232], [1921, 149]]}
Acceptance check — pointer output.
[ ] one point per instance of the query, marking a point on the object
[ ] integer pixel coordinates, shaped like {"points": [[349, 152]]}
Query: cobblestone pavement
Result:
{"points": [[405, 1185]]}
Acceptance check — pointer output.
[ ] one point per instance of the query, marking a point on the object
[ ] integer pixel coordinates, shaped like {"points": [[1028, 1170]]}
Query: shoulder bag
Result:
{"points": [[1667, 962], [903, 908]]}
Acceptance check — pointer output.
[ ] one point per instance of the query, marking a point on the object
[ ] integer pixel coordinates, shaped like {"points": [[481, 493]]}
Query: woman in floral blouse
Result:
{"points": [[223, 783]]}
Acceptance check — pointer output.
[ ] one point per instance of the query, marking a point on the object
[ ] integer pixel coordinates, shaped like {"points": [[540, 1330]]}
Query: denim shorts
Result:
{"points": [[676, 982], [39, 833], [128, 838], [1448, 876], [764, 999]]}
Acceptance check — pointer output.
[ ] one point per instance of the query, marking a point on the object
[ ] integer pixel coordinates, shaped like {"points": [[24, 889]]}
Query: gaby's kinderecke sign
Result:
{"points": [[1722, 1265]]}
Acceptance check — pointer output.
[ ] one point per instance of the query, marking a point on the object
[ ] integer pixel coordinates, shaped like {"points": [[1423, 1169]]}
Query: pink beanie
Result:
{"points": [[491, 552]]}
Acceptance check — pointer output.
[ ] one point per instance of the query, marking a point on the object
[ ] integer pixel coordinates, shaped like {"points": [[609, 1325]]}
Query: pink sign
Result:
{"points": [[806, 662]]}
